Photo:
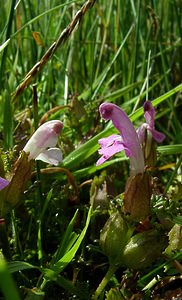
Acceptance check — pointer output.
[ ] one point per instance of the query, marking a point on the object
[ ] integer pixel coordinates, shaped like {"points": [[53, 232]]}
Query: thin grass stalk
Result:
{"points": [[7, 122], [7, 104], [137, 24], [46, 57], [69, 64], [15, 235], [8, 33], [178, 165], [105, 24], [178, 10], [39, 196], [4, 241], [112, 269], [111, 63]]}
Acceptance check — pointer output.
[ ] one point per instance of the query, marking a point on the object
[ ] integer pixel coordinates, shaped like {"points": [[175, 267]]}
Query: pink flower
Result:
{"points": [[3, 183], [41, 145], [109, 146], [149, 126], [127, 140]]}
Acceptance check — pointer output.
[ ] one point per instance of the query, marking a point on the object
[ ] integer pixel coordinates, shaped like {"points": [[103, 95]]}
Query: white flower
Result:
{"points": [[41, 145]]}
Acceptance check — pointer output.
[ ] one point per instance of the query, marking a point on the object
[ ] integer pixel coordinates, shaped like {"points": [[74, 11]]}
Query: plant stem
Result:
{"points": [[4, 243], [104, 281], [173, 174]]}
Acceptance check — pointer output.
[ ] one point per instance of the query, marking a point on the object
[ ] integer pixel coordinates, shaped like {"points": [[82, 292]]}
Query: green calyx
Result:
{"points": [[114, 237]]}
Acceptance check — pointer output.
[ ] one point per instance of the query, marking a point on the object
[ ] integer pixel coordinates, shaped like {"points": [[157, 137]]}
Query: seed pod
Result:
{"points": [[144, 248], [114, 237]]}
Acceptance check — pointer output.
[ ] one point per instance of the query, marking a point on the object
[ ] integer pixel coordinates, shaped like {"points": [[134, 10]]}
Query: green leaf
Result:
{"points": [[8, 123], [7, 284], [170, 149], [4, 45], [177, 220], [16, 266], [68, 240], [67, 258], [92, 169], [48, 198], [114, 294]]}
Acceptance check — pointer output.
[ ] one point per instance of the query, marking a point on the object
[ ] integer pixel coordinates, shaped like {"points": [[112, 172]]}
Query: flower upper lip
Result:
{"points": [[149, 114]]}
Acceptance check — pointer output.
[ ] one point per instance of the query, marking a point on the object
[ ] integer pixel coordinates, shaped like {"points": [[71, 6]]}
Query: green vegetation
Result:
{"points": [[118, 51]]}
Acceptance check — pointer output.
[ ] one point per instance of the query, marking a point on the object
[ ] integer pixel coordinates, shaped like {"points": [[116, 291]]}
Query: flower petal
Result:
{"points": [[149, 113], [3, 183], [108, 152], [159, 137], [51, 156], [109, 146], [141, 132], [111, 150], [100, 161], [105, 142]]}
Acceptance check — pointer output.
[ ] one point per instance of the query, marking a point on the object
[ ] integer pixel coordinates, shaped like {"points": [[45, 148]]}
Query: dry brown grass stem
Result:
{"points": [[52, 49]]}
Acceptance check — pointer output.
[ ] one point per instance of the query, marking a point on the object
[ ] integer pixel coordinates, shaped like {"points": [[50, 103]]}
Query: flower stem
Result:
{"points": [[104, 281]]}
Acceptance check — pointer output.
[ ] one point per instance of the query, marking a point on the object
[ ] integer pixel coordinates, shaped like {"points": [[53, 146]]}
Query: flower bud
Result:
{"points": [[143, 248], [148, 135], [113, 238]]}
